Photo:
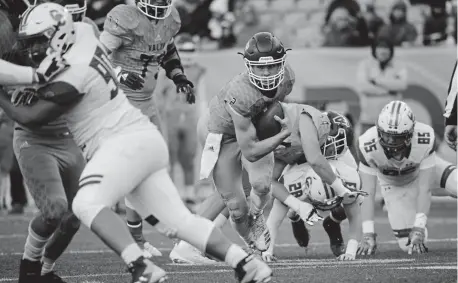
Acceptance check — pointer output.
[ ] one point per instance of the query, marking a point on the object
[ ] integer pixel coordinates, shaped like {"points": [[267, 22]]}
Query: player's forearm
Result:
{"points": [[172, 62], [354, 216], [18, 114], [12, 74], [322, 167], [424, 194], [258, 149], [279, 191]]}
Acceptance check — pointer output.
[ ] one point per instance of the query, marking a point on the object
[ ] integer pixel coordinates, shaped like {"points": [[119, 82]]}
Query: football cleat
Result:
{"points": [[150, 251], [145, 271], [29, 271], [51, 277], [259, 235], [252, 269], [184, 253]]}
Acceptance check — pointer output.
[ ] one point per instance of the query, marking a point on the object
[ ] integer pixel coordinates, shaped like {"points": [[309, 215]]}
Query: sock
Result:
{"points": [[131, 253], [48, 265], [333, 230], [234, 255], [220, 221], [258, 201], [34, 245], [136, 230]]}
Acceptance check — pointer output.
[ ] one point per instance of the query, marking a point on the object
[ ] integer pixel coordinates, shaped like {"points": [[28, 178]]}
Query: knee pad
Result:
{"points": [[262, 186], [237, 210], [338, 214], [54, 211], [87, 204]]}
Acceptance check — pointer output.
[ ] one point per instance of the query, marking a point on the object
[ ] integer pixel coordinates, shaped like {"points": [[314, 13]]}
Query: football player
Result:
{"points": [[126, 154], [140, 39], [51, 164], [399, 154], [180, 118], [333, 134], [305, 185]]}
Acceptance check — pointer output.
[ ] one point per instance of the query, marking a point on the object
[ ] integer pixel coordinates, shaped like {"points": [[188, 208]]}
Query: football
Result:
{"points": [[265, 124]]}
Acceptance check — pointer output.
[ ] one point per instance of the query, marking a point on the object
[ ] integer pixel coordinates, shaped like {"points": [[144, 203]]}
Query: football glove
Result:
{"points": [[308, 213], [416, 241], [345, 257], [268, 257], [131, 80], [50, 67], [368, 244], [185, 86], [24, 96]]}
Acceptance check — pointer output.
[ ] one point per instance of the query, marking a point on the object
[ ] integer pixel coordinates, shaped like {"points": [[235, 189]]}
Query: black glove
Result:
{"points": [[24, 96], [185, 86], [131, 80]]}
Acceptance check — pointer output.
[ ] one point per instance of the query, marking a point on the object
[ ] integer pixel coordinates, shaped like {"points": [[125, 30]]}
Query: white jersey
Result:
{"points": [[101, 109], [390, 171]]}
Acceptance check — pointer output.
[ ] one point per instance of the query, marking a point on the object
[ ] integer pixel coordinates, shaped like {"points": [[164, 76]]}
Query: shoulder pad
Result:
{"points": [[121, 20], [286, 86], [175, 21], [93, 25]]}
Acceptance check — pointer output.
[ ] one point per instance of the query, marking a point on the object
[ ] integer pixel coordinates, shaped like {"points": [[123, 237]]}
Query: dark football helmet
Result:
{"points": [[265, 57], [155, 9], [340, 136]]}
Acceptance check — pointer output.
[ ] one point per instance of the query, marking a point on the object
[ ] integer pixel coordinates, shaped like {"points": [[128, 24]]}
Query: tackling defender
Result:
{"points": [[126, 154], [139, 40], [51, 164], [399, 154]]}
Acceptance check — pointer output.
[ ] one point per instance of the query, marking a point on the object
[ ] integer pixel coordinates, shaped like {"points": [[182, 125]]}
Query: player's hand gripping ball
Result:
{"points": [[265, 123]]}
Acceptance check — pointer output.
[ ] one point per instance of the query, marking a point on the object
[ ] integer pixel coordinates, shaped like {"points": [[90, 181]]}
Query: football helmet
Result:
{"points": [[395, 127], [45, 29], [340, 136], [77, 8], [265, 53], [155, 9]]}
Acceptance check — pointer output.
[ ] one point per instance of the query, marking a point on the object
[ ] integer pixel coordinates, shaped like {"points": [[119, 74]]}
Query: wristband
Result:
{"points": [[352, 247], [368, 226], [420, 220]]}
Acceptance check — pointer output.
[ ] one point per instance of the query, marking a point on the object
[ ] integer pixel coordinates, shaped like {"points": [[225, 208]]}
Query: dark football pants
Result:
{"points": [[51, 167]]}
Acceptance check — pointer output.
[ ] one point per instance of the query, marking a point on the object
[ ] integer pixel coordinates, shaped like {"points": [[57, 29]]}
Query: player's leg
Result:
{"points": [[401, 207], [446, 176], [41, 174], [331, 225], [260, 178], [187, 154], [118, 167], [157, 195], [72, 164]]}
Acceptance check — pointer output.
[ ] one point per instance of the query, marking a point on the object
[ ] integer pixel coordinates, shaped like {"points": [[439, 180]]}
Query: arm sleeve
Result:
{"points": [[172, 62]]}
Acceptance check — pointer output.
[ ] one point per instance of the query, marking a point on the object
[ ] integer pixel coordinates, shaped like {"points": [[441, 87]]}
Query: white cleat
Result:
{"points": [[185, 253], [259, 235], [149, 250]]}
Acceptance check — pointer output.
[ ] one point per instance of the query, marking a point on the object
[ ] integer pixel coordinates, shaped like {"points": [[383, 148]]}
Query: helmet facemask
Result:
{"points": [[321, 196], [394, 144], [260, 72], [155, 9], [78, 13], [335, 146]]}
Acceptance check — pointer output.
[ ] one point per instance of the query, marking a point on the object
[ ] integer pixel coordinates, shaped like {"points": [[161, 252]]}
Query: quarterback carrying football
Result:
{"points": [[140, 39], [399, 154], [126, 154]]}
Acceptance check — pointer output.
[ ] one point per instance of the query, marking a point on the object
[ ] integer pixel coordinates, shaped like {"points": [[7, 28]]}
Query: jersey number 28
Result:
{"points": [[102, 65]]}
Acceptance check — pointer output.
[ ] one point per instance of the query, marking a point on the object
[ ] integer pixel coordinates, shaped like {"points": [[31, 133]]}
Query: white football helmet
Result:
{"points": [[322, 195], [77, 8], [395, 127], [45, 29], [155, 9]]}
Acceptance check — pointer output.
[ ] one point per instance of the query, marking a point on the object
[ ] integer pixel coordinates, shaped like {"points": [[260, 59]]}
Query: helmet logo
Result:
{"points": [[57, 16], [308, 181]]}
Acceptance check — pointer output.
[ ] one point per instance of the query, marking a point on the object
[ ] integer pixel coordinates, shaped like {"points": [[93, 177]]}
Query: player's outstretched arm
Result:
{"points": [[12, 74], [42, 111], [252, 148], [273, 222], [312, 151]]}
